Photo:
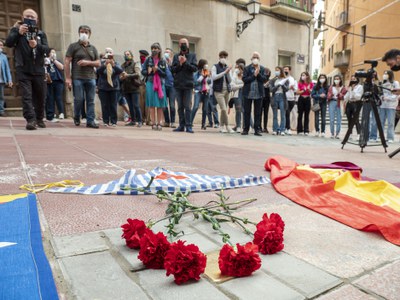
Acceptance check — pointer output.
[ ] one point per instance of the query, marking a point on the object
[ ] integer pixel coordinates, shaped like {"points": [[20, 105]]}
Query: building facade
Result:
{"points": [[355, 31], [282, 32]]}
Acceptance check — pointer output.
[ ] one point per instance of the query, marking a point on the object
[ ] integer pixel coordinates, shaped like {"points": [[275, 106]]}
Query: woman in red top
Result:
{"points": [[305, 87]]}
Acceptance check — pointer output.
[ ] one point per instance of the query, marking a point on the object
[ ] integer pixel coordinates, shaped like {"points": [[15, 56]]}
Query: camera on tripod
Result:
{"points": [[369, 74]]}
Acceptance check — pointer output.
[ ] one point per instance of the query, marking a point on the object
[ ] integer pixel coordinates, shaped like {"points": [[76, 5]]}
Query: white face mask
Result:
{"points": [[255, 61], [166, 55], [303, 78], [277, 73], [322, 80], [337, 81], [237, 71], [205, 67], [53, 55], [385, 76], [83, 37], [222, 61]]}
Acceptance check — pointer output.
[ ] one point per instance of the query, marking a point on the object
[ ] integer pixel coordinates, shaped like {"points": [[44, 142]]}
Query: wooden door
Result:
{"points": [[10, 12]]}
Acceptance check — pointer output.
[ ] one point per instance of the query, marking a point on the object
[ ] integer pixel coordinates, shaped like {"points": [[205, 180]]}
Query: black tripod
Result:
{"points": [[369, 100], [394, 152]]}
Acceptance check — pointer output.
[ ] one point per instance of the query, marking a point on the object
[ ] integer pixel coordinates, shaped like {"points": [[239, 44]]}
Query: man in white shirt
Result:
{"points": [[290, 96]]}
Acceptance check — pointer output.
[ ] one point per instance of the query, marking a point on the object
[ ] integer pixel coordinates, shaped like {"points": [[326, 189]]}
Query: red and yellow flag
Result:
{"points": [[340, 195]]}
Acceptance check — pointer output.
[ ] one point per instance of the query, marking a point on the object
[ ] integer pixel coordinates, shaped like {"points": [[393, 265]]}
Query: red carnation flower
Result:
{"points": [[241, 263], [153, 248], [184, 262], [269, 234], [133, 232]]}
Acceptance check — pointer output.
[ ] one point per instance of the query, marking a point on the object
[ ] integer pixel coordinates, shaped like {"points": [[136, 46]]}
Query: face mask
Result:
{"points": [[184, 47], [303, 78], [142, 59], [237, 71], [83, 37], [154, 53], [286, 73], [222, 61], [337, 82], [395, 68], [277, 73], [255, 61], [385, 76], [353, 82], [322, 80], [128, 58], [53, 56], [166, 55]]}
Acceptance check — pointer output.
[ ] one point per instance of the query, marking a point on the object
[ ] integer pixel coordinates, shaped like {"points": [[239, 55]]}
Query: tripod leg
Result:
{"points": [[352, 123], [364, 127], [397, 151]]}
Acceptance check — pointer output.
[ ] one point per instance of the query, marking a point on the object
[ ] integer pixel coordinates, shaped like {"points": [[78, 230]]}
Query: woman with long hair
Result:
{"points": [[336, 94], [389, 104], [319, 95], [154, 69], [352, 101], [279, 86], [305, 86]]}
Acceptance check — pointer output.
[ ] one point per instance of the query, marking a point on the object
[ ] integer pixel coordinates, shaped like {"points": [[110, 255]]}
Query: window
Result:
{"points": [[175, 47], [329, 54], [284, 60], [332, 52], [363, 34]]}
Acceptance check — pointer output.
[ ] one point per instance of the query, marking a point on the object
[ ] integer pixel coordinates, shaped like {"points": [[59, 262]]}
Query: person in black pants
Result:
{"points": [[254, 77], [30, 46], [266, 102], [305, 88]]}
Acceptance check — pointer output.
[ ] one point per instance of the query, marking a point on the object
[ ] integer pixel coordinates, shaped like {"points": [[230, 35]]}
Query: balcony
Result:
{"points": [[295, 9], [342, 21], [342, 59]]}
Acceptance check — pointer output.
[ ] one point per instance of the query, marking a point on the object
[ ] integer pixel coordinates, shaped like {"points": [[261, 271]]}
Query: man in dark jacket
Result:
{"points": [[184, 65], [30, 47], [254, 77]]}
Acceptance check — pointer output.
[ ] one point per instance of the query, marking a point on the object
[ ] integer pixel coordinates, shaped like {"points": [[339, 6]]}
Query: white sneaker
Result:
{"points": [[306, 133], [61, 116], [274, 133], [317, 134], [238, 130], [282, 133], [223, 130], [229, 129], [252, 130], [289, 132], [54, 120], [323, 134], [390, 141]]}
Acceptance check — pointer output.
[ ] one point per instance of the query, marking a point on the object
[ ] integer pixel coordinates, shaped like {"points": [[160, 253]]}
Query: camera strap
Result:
{"points": [[87, 52]]}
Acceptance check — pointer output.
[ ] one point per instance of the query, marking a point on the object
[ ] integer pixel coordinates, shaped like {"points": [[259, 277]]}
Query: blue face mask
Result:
{"points": [[166, 55]]}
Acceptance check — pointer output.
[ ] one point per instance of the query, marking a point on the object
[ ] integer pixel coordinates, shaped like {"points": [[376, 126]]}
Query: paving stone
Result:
{"points": [[98, 276], [347, 292], [205, 245], [260, 286], [79, 244], [130, 255], [159, 286], [384, 281], [327, 244], [310, 280]]}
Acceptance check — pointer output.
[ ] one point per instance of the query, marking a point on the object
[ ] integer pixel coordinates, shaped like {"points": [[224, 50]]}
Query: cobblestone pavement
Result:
{"points": [[322, 258]]}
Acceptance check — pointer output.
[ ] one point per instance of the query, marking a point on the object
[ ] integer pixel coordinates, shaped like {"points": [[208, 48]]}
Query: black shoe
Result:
{"points": [[92, 125], [210, 125], [77, 122], [245, 133], [189, 130], [31, 125], [40, 124], [179, 129], [203, 127], [257, 133]]}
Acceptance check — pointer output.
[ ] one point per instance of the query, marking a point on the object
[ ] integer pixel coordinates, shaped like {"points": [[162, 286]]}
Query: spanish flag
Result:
{"points": [[341, 195]]}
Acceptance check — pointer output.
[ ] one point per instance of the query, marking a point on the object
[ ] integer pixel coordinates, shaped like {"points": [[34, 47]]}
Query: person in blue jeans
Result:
{"points": [[202, 87], [319, 95], [212, 112], [169, 111], [336, 94], [279, 86], [184, 65], [56, 88], [80, 60], [5, 77]]}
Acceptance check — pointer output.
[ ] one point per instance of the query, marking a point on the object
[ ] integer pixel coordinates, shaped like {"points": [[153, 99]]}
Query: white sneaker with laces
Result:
{"points": [[61, 116], [229, 129], [282, 133], [223, 130], [54, 120], [238, 130], [289, 132]]}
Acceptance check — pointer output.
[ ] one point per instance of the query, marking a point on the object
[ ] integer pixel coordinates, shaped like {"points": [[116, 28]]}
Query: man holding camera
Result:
{"points": [[30, 46], [184, 65], [392, 59], [83, 58]]}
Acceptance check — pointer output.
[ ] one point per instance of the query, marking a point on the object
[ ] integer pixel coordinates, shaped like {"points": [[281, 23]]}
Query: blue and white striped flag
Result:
{"points": [[167, 181]]}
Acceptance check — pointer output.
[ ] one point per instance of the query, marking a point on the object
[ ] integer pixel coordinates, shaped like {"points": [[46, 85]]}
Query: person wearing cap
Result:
{"points": [[30, 47], [81, 60], [184, 65], [154, 70], [143, 54]]}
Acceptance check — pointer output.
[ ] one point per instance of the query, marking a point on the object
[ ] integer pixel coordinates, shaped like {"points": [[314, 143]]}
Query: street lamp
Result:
{"points": [[253, 8]]}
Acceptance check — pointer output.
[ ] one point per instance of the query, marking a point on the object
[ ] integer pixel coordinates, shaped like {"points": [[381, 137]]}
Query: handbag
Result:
{"points": [[316, 107], [48, 78]]}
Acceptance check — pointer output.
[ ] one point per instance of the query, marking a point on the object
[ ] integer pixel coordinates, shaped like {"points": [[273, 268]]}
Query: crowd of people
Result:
{"points": [[151, 90]]}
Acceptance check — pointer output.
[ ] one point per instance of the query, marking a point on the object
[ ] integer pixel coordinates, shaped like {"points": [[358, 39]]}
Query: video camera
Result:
{"points": [[369, 74]]}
